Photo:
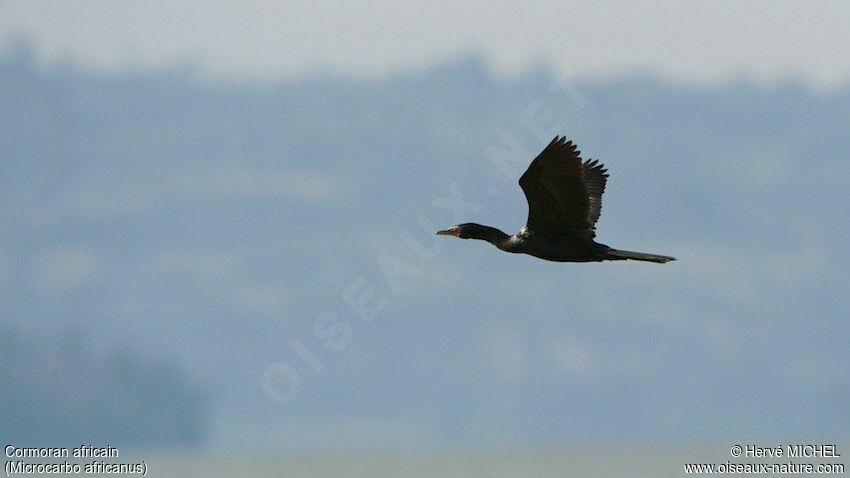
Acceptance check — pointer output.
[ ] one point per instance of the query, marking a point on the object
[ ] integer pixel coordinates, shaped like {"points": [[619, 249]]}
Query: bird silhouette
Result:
{"points": [[564, 197]]}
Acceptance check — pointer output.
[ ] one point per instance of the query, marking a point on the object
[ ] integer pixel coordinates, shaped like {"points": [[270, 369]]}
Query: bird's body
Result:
{"points": [[564, 197], [564, 247]]}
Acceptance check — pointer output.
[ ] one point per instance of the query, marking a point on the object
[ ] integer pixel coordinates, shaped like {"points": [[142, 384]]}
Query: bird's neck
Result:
{"points": [[491, 235]]}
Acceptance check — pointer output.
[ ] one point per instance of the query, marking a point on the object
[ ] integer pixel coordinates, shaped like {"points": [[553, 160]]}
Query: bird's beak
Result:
{"points": [[452, 231]]}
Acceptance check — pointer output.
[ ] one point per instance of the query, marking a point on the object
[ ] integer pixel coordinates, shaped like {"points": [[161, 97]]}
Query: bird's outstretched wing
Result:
{"points": [[595, 178], [564, 194]]}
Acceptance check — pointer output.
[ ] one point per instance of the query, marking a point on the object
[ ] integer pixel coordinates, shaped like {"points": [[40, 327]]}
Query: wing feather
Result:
{"points": [[564, 194], [595, 178]]}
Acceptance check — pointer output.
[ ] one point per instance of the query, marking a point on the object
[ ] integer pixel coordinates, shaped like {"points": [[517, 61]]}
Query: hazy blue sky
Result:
{"points": [[704, 42], [165, 242]]}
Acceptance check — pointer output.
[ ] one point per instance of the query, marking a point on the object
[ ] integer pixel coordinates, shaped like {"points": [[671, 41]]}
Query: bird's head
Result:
{"points": [[468, 230], [453, 231]]}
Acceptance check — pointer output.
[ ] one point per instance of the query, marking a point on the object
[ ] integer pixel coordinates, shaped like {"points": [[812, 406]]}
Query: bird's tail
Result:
{"points": [[615, 255]]}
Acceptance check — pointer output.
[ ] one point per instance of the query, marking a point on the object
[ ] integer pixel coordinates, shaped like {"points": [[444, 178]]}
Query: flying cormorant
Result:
{"points": [[564, 202]]}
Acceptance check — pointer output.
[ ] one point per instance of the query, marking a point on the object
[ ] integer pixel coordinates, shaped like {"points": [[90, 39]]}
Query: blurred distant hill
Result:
{"points": [[213, 223], [62, 393]]}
